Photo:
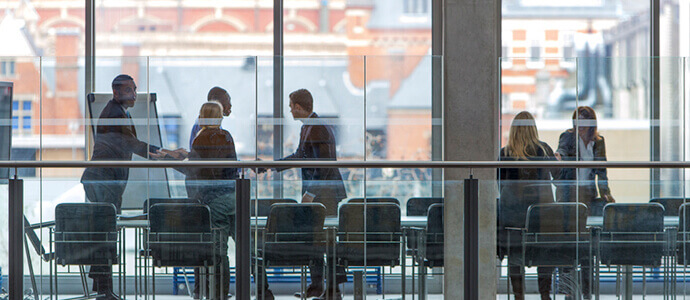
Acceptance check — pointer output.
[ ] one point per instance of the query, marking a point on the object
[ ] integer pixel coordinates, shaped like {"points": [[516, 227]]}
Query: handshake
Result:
{"points": [[165, 154]]}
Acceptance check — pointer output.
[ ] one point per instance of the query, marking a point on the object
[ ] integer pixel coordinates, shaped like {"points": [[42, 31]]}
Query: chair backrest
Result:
{"points": [[153, 201], [180, 235], [380, 218], [435, 219], [180, 217], [299, 222], [557, 218], [375, 200], [418, 206], [684, 218], [262, 207], [671, 205], [85, 233], [629, 217]]}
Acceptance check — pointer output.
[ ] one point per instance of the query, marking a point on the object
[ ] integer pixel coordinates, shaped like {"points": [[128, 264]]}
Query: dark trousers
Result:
{"points": [[223, 218], [517, 280], [109, 192], [317, 268]]}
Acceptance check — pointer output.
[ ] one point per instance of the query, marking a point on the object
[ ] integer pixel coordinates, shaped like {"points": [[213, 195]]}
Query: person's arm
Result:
{"points": [[549, 155], [118, 126], [601, 173], [299, 153], [231, 173], [193, 133], [564, 145]]}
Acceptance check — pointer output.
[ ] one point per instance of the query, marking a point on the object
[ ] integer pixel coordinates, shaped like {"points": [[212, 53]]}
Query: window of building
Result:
{"points": [[7, 68], [535, 51], [22, 116], [416, 6]]}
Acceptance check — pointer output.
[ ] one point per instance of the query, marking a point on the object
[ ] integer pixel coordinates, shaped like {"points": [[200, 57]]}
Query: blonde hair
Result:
{"points": [[523, 138], [210, 115]]}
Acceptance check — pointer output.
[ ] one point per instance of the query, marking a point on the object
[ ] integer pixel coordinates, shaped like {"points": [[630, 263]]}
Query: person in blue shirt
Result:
{"points": [[219, 95]]}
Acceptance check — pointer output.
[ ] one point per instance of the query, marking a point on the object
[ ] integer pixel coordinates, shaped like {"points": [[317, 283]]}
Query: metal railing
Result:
{"points": [[243, 196]]}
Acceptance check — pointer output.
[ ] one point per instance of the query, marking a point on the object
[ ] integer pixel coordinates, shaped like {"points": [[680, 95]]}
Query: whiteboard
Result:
{"points": [[142, 183]]}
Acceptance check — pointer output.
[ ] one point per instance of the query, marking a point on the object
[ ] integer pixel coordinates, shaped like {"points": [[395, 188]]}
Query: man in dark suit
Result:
{"points": [[115, 139], [317, 142]]}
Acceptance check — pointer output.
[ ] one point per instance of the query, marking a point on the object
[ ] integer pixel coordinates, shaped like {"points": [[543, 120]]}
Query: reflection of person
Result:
{"points": [[582, 143], [214, 187], [219, 95], [317, 142], [115, 139], [523, 144]]}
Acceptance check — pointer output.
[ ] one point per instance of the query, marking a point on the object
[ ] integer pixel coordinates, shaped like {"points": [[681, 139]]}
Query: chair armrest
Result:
{"points": [[42, 225], [515, 229]]}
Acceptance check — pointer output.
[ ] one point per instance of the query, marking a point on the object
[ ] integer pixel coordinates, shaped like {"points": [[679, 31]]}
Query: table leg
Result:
{"points": [[627, 282]]}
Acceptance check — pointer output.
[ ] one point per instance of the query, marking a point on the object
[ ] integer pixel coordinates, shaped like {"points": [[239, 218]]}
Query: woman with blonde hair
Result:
{"points": [[215, 187], [520, 188]]}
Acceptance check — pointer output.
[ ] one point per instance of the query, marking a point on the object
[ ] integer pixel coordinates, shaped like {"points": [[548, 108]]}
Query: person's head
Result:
{"points": [[221, 96], [124, 90], [301, 104], [210, 115], [523, 138], [585, 123]]}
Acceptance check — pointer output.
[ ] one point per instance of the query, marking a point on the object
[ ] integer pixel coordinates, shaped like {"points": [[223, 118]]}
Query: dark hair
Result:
{"points": [[586, 113], [303, 98], [120, 80], [217, 93]]}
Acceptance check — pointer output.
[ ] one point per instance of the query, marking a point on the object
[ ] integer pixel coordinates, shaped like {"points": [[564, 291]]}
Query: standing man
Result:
{"points": [[317, 142], [219, 95], [115, 139]]}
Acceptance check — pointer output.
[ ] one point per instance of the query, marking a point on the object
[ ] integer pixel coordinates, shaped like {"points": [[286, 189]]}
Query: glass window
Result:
{"points": [[26, 105], [15, 105], [15, 122], [26, 122]]}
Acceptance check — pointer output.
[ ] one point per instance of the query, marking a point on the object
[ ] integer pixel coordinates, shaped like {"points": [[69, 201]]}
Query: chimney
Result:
{"points": [[64, 103], [131, 59]]}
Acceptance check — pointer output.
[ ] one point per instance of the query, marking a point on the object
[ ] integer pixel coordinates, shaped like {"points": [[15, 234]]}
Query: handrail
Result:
{"points": [[348, 164]]}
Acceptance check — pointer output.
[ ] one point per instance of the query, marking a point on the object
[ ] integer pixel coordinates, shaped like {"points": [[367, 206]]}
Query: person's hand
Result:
{"points": [[558, 156], [178, 154], [609, 199], [156, 155]]}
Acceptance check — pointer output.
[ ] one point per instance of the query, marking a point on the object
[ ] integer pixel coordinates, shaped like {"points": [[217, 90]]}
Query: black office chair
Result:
{"points": [[85, 234], [262, 207], [294, 236], [683, 239], [431, 256], [375, 200], [434, 236], [418, 206], [633, 235], [153, 201], [556, 235], [381, 237], [671, 205], [180, 235]]}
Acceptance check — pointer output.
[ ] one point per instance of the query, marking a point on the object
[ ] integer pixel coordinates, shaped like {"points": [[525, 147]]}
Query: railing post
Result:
{"points": [[16, 234], [471, 239], [243, 247]]}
